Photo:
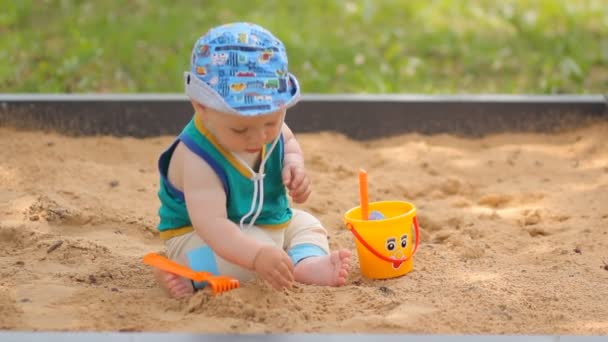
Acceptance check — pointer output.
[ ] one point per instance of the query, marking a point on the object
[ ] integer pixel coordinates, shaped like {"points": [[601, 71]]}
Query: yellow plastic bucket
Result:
{"points": [[385, 247]]}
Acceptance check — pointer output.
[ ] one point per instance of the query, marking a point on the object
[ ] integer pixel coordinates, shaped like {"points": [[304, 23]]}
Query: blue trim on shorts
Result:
{"points": [[302, 251], [202, 259]]}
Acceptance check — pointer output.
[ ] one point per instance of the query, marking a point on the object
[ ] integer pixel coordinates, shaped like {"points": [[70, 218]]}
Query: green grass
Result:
{"points": [[371, 46]]}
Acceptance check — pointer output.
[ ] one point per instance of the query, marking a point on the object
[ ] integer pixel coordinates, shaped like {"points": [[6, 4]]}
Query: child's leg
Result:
{"points": [[191, 251], [307, 245]]}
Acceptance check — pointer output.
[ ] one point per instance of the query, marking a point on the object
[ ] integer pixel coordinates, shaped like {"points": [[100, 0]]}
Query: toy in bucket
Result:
{"points": [[387, 237]]}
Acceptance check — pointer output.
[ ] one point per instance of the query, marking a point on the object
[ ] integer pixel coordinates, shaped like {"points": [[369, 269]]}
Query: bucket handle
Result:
{"points": [[396, 262]]}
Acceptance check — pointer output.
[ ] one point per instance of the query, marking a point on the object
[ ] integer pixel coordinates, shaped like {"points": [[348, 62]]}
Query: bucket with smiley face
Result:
{"points": [[385, 246]]}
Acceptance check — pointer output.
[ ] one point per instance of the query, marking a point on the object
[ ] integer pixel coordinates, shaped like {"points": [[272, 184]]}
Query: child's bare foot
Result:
{"points": [[176, 286], [324, 270]]}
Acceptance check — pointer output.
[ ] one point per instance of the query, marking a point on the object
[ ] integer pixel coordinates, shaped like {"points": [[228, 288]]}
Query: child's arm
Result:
{"points": [[206, 204], [295, 176]]}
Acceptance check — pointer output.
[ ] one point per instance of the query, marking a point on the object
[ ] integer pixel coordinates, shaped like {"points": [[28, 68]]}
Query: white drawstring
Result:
{"points": [[258, 186], [254, 200], [258, 183]]}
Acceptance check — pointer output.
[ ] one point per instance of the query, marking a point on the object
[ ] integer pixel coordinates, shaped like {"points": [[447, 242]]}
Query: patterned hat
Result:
{"points": [[241, 68]]}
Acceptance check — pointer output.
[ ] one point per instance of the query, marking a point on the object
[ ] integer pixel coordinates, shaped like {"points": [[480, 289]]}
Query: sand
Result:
{"points": [[514, 238]]}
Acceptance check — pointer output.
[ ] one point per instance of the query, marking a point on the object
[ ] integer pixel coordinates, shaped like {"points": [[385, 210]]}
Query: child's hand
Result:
{"points": [[295, 178], [274, 266]]}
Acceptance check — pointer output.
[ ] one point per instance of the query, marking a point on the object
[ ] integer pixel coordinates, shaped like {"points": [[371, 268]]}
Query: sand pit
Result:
{"points": [[514, 238]]}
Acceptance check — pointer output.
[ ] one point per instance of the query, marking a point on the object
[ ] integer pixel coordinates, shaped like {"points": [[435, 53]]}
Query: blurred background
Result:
{"points": [[334, 46]]}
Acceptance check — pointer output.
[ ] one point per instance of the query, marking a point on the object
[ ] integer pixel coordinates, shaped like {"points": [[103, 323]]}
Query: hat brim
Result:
{"points": [[201, 92]]}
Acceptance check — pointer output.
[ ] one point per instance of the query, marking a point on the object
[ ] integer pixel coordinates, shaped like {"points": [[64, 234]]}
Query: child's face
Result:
{"points": [[242, 133]]}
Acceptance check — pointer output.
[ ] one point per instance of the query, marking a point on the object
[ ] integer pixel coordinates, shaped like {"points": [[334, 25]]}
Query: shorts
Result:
{"points": [[304, 237]]}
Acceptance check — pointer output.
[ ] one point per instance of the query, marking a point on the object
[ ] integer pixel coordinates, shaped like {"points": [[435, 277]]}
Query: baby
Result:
{"points": [[224, 181]]}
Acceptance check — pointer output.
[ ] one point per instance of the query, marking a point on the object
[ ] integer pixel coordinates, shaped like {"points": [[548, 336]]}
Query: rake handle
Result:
{"points": [[165, 264]]}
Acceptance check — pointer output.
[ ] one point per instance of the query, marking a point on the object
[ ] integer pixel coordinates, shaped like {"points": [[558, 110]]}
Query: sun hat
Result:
{"points": [[241, 68]]}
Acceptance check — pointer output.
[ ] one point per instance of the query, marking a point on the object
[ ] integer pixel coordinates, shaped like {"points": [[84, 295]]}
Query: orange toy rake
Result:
{"points": [[219, 284]]}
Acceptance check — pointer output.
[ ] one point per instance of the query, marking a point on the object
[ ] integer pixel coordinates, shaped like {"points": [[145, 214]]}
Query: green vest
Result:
{"points": [[235, 178]]}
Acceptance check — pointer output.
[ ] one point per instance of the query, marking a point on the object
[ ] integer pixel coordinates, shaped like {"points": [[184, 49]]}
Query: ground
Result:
{"points": [[514, 237]]}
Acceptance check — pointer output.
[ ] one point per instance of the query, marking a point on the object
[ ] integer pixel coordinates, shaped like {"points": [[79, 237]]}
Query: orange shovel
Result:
{"points": [[219, 284], [363, 197]]}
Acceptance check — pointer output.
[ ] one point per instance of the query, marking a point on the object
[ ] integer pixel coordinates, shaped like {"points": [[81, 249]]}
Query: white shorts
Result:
{"points": [[303, 237]]}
